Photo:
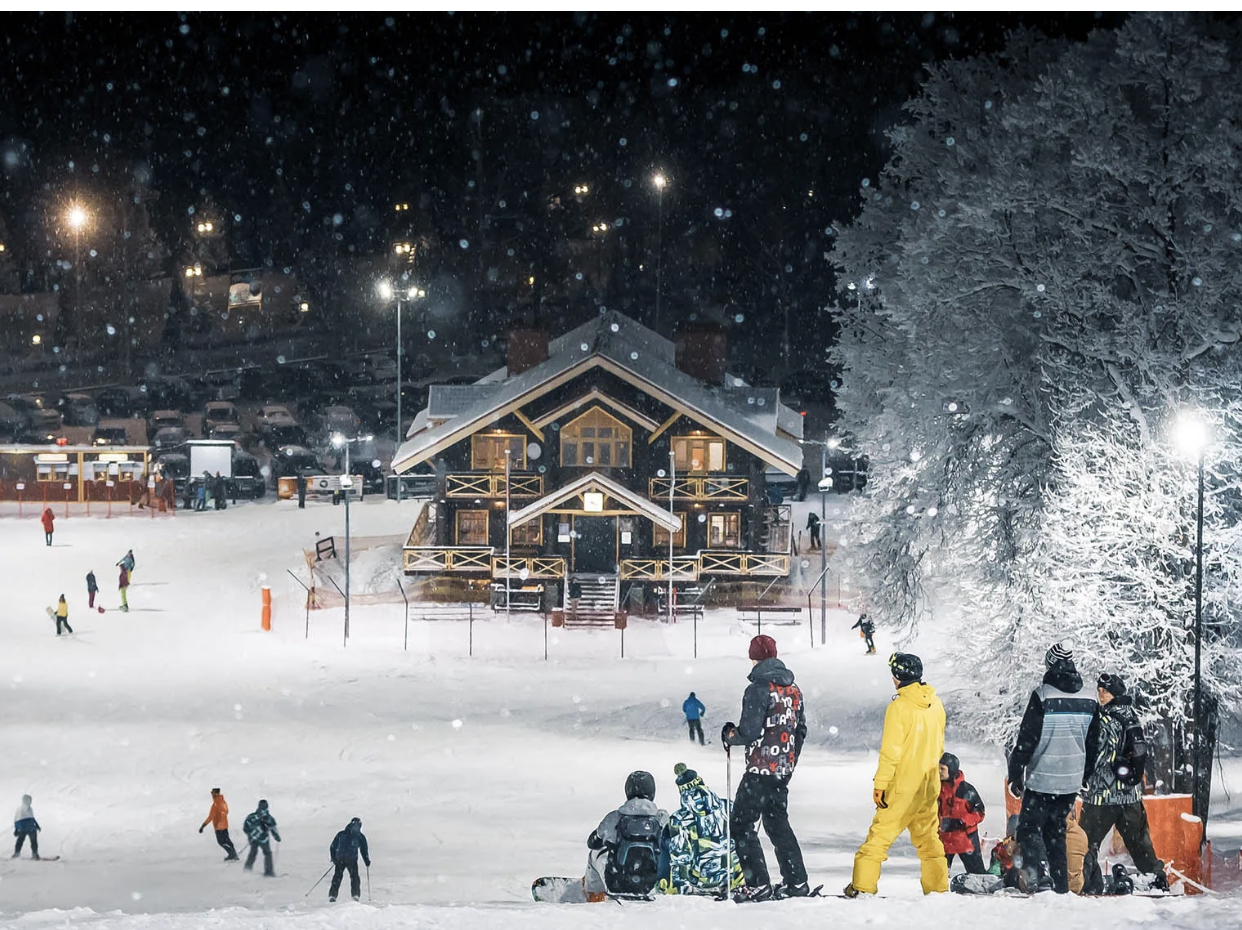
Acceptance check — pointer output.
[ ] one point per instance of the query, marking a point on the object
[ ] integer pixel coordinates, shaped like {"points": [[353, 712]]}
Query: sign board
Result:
{"points": [[68, 486], [562, 532], [109, 484], [21, 485], [322, 487], [626, 538]]}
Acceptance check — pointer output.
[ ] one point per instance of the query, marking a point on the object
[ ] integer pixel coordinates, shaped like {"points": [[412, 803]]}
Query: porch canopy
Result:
{"points": [[600, 484]]}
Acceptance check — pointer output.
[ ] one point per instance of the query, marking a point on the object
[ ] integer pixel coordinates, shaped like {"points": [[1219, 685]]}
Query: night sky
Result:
{"points": [[301, 131]]}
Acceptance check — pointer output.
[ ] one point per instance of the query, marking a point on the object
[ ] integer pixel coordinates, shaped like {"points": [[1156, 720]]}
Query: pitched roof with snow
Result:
{"points": [[634, 353]]}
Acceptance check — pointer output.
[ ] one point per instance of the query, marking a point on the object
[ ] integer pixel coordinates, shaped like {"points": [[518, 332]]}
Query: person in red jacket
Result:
{"points": [[961, 811], [49, 524]]}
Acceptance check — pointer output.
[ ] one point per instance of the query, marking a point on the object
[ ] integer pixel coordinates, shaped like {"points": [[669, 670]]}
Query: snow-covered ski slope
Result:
{"points": [[472, 775]]}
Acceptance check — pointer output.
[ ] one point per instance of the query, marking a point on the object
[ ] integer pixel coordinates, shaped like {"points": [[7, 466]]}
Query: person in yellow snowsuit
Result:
{"points": [[907, 782]]}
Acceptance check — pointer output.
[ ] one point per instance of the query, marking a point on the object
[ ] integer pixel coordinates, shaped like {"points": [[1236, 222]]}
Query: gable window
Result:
{"points": [[527, 534], [596, 439], [698, 455], [724, 531], [659, 535], [487, 451], [472, 527]]}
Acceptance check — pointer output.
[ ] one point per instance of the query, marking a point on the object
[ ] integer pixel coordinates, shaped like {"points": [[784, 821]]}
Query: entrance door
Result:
{"points": [[595, 545]]}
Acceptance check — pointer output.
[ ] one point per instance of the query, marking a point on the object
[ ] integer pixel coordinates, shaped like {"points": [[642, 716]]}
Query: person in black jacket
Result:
{"points": [[344, 853], [773, 728], [1046, 768], [867, 628], [1113, 785], [92, 588]]}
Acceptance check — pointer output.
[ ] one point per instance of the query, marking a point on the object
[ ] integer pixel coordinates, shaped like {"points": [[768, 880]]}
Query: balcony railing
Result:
{"points": [[727, 562], [685, 568], [539, 566], [437, 559], [492, 484], [700, 488]]}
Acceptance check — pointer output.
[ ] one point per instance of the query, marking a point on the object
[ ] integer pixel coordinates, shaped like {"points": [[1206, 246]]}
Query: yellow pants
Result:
{"points": [[920, 815]]}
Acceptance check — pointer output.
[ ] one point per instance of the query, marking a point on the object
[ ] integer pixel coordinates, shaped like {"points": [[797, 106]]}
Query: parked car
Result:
{"points": [[292, 460], [168, 393], [273, 415], [338, 419], [110, 436], [284, 435], [38, 409], [218, 412], [248, 476], [122, 401], [12, 423], [164, 418], [79, 410], [170, 437], [223, 385], [232, 431]]}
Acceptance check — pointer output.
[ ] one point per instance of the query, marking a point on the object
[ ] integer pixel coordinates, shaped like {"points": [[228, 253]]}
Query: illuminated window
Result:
{"points": [[659, 535], [487, 451], [596, 438], [698, 454], [472, 527], [724, 531], [527, 534]]}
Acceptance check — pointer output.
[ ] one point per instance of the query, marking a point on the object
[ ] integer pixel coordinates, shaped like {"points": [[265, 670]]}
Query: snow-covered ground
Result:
{"points": [[472, 775]]}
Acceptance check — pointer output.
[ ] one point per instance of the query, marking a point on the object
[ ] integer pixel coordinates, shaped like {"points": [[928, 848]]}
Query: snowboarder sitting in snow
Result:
{"points": [[25, 825], [698, 851], [344, 854], [961, 812], [625, 847], [258, 826]]}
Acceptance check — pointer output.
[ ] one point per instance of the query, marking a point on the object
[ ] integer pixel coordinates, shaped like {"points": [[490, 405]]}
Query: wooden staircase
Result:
{"points": [[596, 606]]}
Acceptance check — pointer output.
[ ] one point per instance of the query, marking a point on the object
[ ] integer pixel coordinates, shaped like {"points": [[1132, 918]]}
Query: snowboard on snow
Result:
{"points": [[556, 889]]}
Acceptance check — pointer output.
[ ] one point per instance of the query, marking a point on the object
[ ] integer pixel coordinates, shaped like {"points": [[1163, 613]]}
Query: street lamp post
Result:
{"points": [[824, 485], [388, 292], [77, 218], [341, 441], [660, 182], [1192, 436], [672, 488]]}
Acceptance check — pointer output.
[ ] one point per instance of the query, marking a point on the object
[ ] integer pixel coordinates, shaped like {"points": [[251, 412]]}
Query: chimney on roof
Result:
{"points": [[702, 349], [527, 348]]}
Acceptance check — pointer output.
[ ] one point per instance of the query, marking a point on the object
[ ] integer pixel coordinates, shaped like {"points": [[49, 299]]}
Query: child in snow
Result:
{"points": [[62, 616], [25, 825], [961, 812], [123, 586], [698, 851], [625, 847], [260, 827]]}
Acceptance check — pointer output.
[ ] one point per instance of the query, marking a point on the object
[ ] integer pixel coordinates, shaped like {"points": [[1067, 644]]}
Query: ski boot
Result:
{"points": [[752, 893]]}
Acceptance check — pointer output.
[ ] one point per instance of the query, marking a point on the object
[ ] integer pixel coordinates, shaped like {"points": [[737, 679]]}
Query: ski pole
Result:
{"points": [[316, 885], [368, 883], [728, 879]]}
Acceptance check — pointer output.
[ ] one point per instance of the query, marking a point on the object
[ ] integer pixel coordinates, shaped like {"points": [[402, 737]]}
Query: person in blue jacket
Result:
{"points": [[344, 853], [25, 825], [694, 710]]}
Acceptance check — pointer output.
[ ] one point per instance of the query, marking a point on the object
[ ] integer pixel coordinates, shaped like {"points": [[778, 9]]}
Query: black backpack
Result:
{"points": [[633, 863]]}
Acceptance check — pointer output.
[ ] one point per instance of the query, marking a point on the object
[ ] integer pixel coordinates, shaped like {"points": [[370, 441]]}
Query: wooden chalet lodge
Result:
{"points": [[588, 449]]}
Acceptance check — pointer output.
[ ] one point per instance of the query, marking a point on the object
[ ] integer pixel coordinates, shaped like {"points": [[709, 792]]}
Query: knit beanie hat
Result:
{"points": [[1059, 653], [1113, 684], [684, 775], [762, 647], [906, 667]]}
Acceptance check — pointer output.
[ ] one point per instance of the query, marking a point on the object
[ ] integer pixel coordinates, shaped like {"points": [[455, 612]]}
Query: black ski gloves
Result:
{"points": [[727, 732]]}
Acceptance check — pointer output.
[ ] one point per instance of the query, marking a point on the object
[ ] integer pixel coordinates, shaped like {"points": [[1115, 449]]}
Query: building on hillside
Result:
{"points": [[582, 454]]}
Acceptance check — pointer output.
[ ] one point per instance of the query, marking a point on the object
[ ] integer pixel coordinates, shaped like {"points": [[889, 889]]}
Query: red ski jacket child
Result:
{"points": [[961, 809]]}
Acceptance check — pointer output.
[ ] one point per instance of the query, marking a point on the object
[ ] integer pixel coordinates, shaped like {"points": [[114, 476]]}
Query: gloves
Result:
{"points": [[1015, 789], [594, 841], [727, 732], [877, 795], [950, 824], [200, 829], [368, 862]]}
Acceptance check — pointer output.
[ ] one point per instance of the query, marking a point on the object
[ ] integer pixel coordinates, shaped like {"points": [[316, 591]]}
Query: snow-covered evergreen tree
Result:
{"points": [[1056, 249]]}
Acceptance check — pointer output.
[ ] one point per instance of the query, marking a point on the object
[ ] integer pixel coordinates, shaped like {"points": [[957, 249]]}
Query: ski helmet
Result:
{"points": [[640, 785], [950, 761]]}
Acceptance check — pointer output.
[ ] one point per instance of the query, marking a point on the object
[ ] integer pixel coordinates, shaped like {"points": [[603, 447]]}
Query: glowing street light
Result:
{"points": [[388, 293]]}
